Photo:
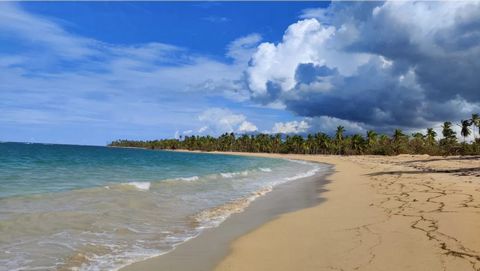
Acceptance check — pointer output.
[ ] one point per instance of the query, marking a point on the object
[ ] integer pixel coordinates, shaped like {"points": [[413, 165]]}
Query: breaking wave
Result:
{"points": [[142, 186]]}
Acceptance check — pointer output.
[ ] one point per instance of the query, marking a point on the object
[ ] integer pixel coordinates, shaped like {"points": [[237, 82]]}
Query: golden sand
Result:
{"points": [[381, 213]]}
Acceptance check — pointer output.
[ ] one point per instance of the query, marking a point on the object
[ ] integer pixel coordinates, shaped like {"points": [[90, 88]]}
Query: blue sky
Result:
{"points": [[92, 72], [193, 30], [203, 28]]}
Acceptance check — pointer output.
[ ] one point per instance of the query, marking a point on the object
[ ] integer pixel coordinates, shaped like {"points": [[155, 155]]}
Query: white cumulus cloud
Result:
{"points": [[220, 120], [277, 63], [381, 64], [247, 127], [241, 49], [290, 127]]}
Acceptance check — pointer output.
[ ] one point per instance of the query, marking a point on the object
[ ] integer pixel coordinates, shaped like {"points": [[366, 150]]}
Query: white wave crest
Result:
{"points": [[233, 174], [300, 162], [213, 217], [303, 174], [265, 169], [227, 175], [188, 179], [142, 186]]}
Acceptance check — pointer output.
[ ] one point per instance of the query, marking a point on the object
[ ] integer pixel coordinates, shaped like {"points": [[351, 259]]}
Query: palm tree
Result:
{"points": [[323, 142], [357, 143], [417, 143], [339, 139], [310, 144], [339, 133], [277, 142], [398, 139], [371, 137], [465, 132], [449, 140], [418, 136], [398, 135], [448, 133], [431, 134]]}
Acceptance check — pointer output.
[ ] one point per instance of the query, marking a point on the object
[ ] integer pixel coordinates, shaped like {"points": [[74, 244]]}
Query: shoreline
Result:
{"points": [[406, 212], [284, 198]]}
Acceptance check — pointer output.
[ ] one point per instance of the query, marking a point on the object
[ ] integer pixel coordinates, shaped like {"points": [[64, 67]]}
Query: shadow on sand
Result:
{"points": [[458, 171], [475, 157]]}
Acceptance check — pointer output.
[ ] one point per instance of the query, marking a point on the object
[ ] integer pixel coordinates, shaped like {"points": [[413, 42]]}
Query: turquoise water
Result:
{"points": [[96, 208], [40, 168]]}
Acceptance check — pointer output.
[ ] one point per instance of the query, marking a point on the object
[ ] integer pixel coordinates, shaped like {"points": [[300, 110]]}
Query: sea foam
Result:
{"points": [[188, 179], [303, 175], [233, 174], [213, 217], [142, 186]]}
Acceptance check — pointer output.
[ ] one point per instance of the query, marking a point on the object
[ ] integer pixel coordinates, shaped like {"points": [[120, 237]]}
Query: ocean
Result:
{"points": [[66, 207]]}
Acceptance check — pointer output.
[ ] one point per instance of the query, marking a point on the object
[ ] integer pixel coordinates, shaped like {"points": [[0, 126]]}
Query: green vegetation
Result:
{"points": [[321, 143]]}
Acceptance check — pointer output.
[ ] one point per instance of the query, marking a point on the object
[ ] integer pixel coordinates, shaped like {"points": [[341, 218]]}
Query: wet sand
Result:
{"points": [[212, 245]]}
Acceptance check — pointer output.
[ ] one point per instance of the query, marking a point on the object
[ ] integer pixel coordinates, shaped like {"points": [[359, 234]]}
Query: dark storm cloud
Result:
{"points": [[371, 96], [309, 73], [446, 60], [423, 64]]}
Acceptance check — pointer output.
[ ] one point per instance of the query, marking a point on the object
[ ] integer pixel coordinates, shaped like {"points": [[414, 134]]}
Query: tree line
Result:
{"points": [[339, 144]]}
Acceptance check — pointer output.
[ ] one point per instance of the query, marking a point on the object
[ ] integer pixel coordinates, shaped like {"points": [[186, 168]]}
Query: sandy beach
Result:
{"points": [[379, 213]]}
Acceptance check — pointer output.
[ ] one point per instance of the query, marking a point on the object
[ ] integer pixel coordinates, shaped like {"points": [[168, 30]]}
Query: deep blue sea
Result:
{"points": [[97, 208]]}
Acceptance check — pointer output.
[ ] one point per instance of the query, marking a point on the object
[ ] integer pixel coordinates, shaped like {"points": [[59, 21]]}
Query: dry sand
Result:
{"points": [[380, 213]]}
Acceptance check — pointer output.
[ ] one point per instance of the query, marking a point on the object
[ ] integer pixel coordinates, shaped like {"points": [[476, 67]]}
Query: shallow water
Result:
{"points": [[95, 208]]}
